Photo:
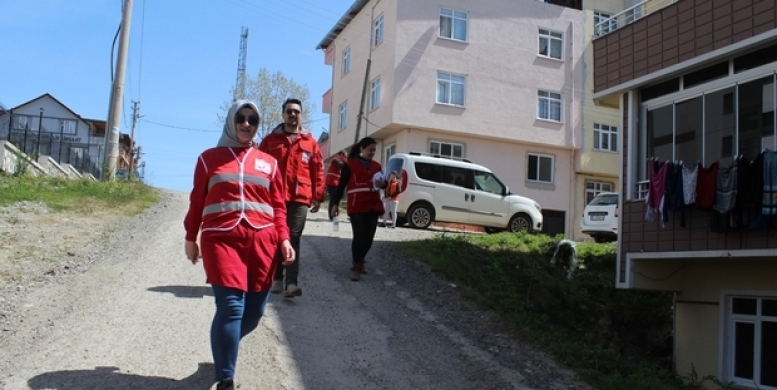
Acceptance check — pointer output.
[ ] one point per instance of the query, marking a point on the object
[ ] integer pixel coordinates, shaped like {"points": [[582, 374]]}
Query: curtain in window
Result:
{"points": [[461, 28], [442, 91], [543, 46], [445, 26], [555, 110], [457, 94], [555, 48]]}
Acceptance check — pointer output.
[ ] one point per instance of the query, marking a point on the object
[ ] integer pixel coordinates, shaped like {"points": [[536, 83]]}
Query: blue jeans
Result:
{"points": [[237, 314]]}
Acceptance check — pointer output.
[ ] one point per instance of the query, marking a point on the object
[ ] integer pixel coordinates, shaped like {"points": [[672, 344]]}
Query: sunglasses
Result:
{"points": [[252, 120], [292, 111]]}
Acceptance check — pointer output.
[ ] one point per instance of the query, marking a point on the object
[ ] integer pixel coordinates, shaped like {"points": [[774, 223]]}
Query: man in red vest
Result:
{"points": [[333, 176], [302, 167]]}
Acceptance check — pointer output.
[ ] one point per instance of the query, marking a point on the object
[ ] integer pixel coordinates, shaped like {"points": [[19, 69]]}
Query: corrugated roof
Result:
{"points": [[356, 7]]}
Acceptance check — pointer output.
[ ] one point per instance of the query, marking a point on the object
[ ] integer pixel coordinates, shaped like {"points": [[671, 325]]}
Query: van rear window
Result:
{"points": [[394, 165]]}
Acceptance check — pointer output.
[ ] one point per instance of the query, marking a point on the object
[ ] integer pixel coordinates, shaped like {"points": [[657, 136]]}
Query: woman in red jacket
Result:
{"points": [[237, 207], [363, 178]]}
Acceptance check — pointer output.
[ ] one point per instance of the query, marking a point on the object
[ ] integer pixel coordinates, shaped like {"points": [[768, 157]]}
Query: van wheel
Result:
{"points": [[519, 223], [420, 216]]}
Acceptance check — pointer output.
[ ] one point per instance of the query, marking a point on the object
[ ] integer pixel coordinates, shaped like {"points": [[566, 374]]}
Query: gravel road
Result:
{"points": [[128, 311]]}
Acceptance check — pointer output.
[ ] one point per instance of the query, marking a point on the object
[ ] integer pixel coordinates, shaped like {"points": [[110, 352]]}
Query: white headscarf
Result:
{"points": [[229, 135]]}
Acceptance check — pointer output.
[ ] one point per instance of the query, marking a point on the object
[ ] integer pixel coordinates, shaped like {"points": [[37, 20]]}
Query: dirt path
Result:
{"points": [[130, 312]]}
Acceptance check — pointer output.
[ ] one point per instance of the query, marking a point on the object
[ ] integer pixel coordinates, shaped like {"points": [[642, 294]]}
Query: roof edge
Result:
{"points": [[354, 10]]}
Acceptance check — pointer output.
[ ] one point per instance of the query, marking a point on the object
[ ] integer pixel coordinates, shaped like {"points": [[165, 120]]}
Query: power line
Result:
{"points": [[181, 128]]}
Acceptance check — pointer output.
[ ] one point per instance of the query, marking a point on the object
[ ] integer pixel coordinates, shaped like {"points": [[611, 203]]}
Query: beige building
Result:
{"points": [[502, 84]]}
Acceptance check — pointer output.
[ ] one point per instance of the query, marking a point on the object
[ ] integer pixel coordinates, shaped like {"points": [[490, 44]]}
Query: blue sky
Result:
{"points": [[182, 63]]}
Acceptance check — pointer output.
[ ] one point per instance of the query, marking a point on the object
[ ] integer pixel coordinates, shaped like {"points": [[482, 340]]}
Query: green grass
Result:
{"points": [[81, 196], [615, 339]]}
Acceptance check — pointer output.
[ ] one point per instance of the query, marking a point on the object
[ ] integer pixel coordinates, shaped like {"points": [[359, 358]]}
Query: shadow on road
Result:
{"points": [[111, 378], [184, 291]]}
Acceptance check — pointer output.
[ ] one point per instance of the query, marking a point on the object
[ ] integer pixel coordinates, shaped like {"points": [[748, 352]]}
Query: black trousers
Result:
{"points": [[364, 226], [296, 215]]}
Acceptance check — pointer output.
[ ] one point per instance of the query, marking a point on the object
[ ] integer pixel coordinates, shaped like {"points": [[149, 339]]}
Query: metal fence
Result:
{"points": [[75, 154]]}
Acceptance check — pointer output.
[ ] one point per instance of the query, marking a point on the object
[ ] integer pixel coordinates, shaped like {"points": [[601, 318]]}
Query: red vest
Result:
{"points": [[362, 196], [333, 173], [300, 163], [238, 189]]}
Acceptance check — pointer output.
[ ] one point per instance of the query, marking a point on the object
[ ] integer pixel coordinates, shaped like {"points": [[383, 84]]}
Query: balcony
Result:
{"points": [[329, 55], [629, 15], [326, 103]]}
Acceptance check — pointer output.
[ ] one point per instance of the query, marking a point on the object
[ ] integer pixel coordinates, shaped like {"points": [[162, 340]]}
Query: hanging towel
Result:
{"points": [[689, 183], [769, 203], [726, 189], [706, 183], [656, 189]]}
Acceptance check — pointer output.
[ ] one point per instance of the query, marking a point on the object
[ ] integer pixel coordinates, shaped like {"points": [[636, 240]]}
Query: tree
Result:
{"points": [[269, 91]]}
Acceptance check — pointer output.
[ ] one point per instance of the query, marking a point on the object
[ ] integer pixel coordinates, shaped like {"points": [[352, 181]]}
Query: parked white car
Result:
{"points": [[458, 191], [600, 217]]}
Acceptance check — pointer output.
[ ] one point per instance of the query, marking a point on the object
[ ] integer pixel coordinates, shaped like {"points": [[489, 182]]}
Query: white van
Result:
{"points": [[458, 191]]}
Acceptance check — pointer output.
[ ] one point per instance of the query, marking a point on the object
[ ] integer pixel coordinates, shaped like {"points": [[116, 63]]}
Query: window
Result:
{"points": [[431, 172], [603, 23], [446, 149], [456, 176], [22, 122], [453, 24], [375, 94], [633, 14], [752, 347], [344, 115], [605, 137], [540, 168], [726, 120], [487, 182], [346, 60], [551, 44], [549, 106], [377, 31], [67, 127], [593, 188], [450, 89], [387, 153]]}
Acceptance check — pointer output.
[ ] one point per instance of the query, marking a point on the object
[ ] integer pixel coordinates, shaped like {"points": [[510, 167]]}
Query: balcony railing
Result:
{"points": [[629, 15]]}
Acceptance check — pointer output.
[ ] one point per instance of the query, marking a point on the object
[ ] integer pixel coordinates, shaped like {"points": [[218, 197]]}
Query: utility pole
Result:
{"points": [[135, 117], [117, 91]]}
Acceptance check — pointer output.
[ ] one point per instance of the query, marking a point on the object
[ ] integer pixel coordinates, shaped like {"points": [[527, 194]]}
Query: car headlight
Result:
{"points": [[537, 205]]}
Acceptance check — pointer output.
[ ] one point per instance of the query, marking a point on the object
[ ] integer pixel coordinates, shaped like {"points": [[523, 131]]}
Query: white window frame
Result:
{"points": [[549, 37], [604, 23], [21, 121], [389, 151], [453, 15], [67, 126], [547, 99], [594, 188], [343, 115], [453, 146], [540, 157], [375, 87], [602, 132], [377, 31], [346, 61], [448, 81], [730, 337]]}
